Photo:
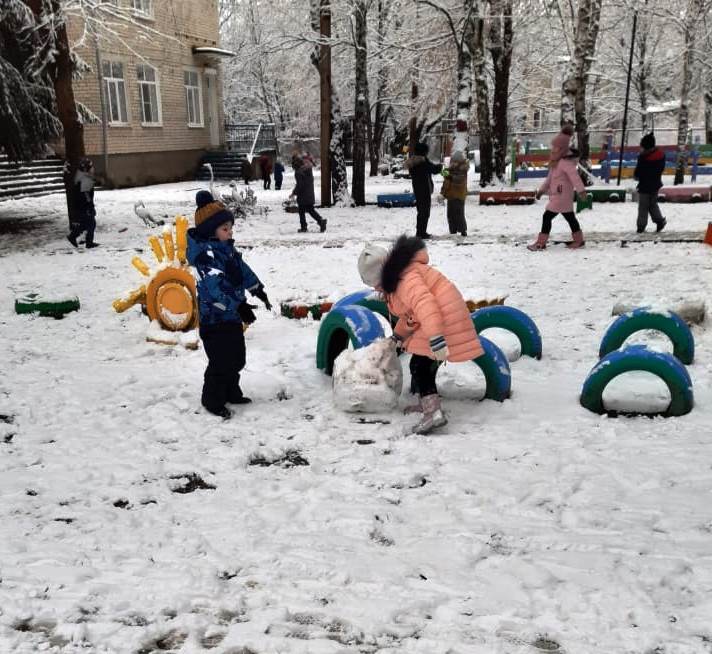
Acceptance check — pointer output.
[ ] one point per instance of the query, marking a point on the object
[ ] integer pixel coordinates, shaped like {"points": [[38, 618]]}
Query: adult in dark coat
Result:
{"points": [[278, 174], [246, 171], [421, 171], [266, 169], [304, 192], [649, 172]]}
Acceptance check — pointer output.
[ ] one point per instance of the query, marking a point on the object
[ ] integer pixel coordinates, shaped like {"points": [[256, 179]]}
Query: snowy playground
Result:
{"points": [[133, 521]]}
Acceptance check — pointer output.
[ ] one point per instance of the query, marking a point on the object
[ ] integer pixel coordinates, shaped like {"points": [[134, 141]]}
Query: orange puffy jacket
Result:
{"points": [[427, 304]]}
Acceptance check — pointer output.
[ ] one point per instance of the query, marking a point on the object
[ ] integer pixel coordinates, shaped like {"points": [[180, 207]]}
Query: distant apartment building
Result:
{"points": [[157, 66]]}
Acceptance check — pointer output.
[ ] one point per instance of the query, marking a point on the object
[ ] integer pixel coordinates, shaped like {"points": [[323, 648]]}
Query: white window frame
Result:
{"points": [[119, 83], [190, 94], [143, 8], [157, 87], [538, 123]]}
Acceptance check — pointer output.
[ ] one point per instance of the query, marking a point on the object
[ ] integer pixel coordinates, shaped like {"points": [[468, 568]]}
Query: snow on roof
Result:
{"points": [[672, 105], [217, 52]]}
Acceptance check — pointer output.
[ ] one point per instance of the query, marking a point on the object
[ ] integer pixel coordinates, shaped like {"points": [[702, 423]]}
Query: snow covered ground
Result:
{"points": [[531, 525]]}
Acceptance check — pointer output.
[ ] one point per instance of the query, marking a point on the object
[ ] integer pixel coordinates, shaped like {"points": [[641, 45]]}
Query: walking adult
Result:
{"points": [[421, 171], [266, 170], [649, 173], [278, 174], [454, 191], [83, 200], [304, 192]]}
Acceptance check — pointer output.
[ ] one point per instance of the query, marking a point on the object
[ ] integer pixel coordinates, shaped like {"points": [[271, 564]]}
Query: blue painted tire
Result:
{"points": [[513, 320], [366, 298], [342, 324], [498, 375], [639, 357], [667, 322]]}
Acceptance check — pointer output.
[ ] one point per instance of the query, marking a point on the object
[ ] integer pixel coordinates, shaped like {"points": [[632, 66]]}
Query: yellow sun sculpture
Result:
{"points": [[168, 295]]}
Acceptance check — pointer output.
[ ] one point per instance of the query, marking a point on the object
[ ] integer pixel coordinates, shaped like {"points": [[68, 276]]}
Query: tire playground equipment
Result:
{"points": [[513, 320], [639, 357], [358, 324], [667, 322]]}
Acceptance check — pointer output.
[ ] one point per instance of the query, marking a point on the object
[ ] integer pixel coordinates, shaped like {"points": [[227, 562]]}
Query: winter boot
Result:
{"points": [[577, 242], [433, 416], [322, 225], [235, 396], [540, 243], [659, 227], [414, 408], [222, 412]]}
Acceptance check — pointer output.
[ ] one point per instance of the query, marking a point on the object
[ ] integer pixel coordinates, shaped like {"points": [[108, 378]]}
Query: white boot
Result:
{"points": [[433, 416]]}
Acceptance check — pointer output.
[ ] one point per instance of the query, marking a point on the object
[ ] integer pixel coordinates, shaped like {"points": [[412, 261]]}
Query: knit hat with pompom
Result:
{"points": [[210, 214]]}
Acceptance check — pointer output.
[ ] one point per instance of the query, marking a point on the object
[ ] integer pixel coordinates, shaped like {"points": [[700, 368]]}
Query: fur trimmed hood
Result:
{"points": [[399, 258]]}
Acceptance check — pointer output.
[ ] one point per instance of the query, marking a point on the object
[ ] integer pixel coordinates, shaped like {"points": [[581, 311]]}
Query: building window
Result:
{"points": [[149, 94], [142, 7], [538, 118], [193, 98], [115, 90]]}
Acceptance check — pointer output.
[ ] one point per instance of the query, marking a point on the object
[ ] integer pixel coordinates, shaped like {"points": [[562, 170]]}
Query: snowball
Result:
{"points": [[369, 379]]}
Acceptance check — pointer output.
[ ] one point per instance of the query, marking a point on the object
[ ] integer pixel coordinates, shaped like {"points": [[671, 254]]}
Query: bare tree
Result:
{"points": [[501, 38], [573, 101]]}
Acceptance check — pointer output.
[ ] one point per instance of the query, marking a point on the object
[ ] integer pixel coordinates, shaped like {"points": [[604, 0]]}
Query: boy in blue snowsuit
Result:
{"points": [[223, 279]]}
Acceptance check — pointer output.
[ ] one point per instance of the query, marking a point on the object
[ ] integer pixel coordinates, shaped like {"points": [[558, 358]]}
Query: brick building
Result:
{"points": [[157, 63]]}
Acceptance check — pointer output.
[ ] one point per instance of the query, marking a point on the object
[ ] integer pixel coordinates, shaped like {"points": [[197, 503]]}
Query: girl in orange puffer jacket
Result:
{"points": [[434, 323]]}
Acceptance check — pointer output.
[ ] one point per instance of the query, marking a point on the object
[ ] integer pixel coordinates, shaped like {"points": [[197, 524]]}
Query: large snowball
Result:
{"points": [[369, 379]]}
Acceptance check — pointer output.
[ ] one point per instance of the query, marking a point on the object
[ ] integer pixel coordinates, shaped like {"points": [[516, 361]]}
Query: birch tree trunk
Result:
{"points": [[501, 37], [573, 101], [477, 48], [361, 102], [683, 114], [463, 108]]}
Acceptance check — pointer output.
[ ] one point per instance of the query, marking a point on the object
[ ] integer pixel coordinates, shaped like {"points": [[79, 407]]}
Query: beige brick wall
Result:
{"points": [[164, 41]]}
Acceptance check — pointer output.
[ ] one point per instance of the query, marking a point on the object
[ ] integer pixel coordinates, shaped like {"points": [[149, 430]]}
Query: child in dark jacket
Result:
{"points": [[649, 172], [223, 279], [83, 199]]}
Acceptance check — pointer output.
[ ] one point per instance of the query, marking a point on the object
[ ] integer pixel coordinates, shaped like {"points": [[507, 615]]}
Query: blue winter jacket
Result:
{"points": [[223, 278]]}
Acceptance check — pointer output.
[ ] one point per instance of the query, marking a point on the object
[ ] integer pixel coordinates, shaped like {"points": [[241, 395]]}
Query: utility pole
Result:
{"points": [[627, 95], [325, 100]]}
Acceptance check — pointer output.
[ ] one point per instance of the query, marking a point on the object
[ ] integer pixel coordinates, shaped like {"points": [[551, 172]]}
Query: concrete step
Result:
{"points": [[30, 190]]}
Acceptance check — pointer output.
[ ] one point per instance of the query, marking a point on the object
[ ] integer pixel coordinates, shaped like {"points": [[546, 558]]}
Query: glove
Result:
{"points": [[439, 348], [397, 343], [247, 315], [260, 294]]}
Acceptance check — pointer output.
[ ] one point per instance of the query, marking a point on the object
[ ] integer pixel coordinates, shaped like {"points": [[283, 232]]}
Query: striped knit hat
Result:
{"points": [[210, 214]]}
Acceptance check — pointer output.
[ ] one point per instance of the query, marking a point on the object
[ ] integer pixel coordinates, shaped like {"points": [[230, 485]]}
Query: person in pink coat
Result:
{"points": [[560, 144], [560, 184], [434, 323]]}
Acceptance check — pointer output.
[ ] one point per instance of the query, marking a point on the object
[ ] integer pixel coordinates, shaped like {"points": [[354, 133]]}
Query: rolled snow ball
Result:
{"points": [[368, 380], [370, 264]]}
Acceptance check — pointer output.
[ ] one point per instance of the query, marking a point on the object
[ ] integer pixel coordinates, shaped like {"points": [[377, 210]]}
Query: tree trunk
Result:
{"points": [[361, 104], [683, 115], [573, 101], [477, 48], [381, 111], [339, 179], [463, 109], [501, 37], [62, 70], [708, 117]]}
